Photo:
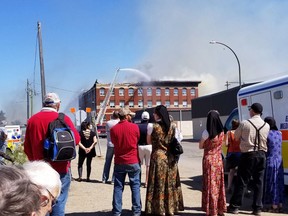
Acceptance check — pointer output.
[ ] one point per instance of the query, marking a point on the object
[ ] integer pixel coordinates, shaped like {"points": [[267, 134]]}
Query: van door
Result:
{"points": [[265, 99]]}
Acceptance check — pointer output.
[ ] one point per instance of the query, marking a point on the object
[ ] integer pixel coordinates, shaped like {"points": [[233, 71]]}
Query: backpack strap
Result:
{"points": [[257, 138], [61, 117]]}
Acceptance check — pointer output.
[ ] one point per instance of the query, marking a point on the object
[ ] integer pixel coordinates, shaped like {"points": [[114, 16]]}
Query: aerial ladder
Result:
{"points": [[103, 108]]}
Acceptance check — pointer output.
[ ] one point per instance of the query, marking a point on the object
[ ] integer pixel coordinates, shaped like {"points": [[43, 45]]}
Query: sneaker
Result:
{"points": [[104, 182], [232, 210], [256, 212]]}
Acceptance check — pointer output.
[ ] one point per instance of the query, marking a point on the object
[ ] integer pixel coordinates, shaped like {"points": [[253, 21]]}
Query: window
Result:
{"points": [[102, 91], [175, 91], [167, 103], [131, 92], [193, 92], [158, 92], [184, 103], [112, 104], [121, 92], [149, 91], [131, 103], [113, 91], [167, 91], [140, 103], [158, 103], [184, 92], [176, 104], [149, 103], [121, 104], [140, 92]]}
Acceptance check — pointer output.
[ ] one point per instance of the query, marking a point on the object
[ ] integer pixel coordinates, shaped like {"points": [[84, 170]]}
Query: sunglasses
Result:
{"points": [[45, 200]]}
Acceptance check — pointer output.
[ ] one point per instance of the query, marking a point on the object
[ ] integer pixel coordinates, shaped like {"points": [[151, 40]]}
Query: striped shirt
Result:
{"points": [[247, 134]]}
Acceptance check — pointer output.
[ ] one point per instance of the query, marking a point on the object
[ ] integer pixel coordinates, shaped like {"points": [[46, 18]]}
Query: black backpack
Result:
{"points": [[59, 144]]}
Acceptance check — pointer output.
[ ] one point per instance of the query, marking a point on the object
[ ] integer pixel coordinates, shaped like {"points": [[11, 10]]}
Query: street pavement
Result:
{"points": [[95, 198]]}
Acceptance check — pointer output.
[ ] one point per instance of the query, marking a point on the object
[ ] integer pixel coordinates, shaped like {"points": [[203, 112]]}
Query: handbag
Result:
{"points": [[175, 147]]}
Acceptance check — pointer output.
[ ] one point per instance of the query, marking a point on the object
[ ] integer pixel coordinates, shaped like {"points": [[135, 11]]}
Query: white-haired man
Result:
{"points": [[33, 146], [48, 180]]}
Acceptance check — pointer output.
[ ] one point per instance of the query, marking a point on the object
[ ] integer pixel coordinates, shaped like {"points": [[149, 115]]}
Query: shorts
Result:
{"points": [[145, 153], [232, 160]]}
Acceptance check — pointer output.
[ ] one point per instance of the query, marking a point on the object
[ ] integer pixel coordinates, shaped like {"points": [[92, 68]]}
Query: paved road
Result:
{"points": [[95, 198]]}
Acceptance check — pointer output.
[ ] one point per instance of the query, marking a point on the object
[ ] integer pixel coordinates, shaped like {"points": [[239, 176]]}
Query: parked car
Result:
{"points": [[101, 130]]}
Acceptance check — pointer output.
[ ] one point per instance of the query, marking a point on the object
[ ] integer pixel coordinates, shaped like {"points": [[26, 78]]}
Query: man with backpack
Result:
{"points": [[36, 134], [252, 134]]}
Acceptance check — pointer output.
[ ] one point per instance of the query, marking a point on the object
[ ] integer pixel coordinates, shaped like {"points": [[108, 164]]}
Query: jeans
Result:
{"points": [[108, 160], [59, 208], [120, 171], [252, 164]]}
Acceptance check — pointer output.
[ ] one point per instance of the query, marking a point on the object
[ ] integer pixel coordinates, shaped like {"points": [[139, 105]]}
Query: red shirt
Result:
{"points": [[124, 136], [234, 146], [36, 133]]}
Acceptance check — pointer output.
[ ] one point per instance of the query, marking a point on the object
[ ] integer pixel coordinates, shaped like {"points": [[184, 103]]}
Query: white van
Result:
{"points": [[273, 95]]}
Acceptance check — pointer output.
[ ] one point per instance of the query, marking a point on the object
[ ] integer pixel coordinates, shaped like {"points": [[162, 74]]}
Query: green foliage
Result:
{"points": [[19, 156]]}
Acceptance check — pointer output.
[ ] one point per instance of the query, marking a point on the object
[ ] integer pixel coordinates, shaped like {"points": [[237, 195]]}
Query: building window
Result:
{"points": [[184, 92], [167, 91], [193, 92], [113, 92], [112, 104], [131, 103], [149, 91], [121, 104], [158, 103], [149, 103], [140, 92], [167, 103], [176, 104], [175, 91], [140, 103], [184, 103], [158, 92], [102, 91], [130, 91], [121, 91]]}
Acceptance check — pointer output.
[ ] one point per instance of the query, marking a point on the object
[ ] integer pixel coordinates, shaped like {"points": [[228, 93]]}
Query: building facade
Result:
{"points": [[175, 95]]}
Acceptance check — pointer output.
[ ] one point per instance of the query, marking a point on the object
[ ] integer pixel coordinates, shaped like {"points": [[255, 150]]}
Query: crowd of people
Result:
{"points": [[254, 150], [254, 153]]}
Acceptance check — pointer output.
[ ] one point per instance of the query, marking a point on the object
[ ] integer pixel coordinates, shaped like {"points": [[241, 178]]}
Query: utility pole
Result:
{"points": [[43, 86], [229, 83], [29, 93]]}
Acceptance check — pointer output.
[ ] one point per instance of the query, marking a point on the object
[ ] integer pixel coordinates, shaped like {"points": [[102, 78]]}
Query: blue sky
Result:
{"points": [[85, 40]]}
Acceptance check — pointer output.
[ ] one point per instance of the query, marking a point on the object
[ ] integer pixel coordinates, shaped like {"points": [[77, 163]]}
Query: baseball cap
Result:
{"points": [[126, 111], [257, 108], [145, 115], [51, 98]]}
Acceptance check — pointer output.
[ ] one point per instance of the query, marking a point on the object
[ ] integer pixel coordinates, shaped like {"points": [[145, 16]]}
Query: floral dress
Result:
{"points": [[164, 194], [213, 192], [274, 173]]}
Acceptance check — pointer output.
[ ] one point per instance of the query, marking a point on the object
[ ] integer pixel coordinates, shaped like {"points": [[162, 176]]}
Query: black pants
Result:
{"points": [[88, 164], [252, 164]]}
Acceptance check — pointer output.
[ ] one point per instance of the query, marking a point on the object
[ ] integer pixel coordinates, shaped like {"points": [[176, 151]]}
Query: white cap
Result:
{"points": [[51, 98], [145, 115]]}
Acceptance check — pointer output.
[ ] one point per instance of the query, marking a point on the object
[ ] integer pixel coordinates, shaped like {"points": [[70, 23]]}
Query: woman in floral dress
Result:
{"points": [[273, 195], [164, 194], [213, 192]]}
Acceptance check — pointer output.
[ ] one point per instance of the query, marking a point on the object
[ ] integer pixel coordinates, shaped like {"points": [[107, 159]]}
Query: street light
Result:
{"points": [[216, 42]]}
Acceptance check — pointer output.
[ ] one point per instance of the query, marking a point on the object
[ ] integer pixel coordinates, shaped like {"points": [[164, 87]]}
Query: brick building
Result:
{"points": [[175, 95]]}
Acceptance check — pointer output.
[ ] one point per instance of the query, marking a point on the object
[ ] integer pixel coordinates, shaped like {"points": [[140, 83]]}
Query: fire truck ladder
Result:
{"points": [[102, 111]]}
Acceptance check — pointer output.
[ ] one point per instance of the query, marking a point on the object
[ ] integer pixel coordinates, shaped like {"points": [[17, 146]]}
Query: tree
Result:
{"points": [[2, 117]]}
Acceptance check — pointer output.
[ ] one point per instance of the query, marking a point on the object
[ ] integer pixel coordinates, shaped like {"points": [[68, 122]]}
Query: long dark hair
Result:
{"points": [[272, 123], [162, 112], [214, 125]]}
